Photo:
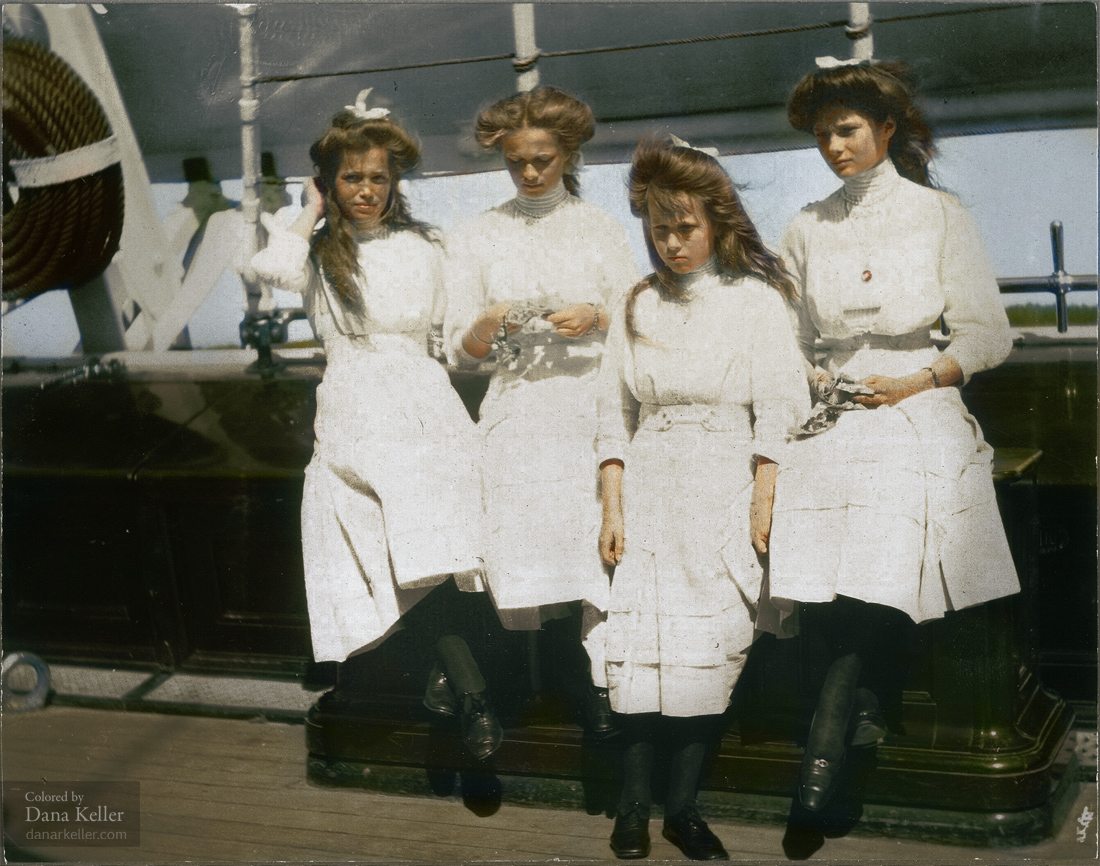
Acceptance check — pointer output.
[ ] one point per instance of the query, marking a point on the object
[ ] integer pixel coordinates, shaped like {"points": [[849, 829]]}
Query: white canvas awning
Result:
{"points": [[983, 67]]}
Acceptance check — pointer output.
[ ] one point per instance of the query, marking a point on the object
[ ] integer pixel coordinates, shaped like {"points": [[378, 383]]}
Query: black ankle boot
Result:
{"points": [[868, 727], [816, 780], [481, 731], [690, 833], [597, 713], [630, 836], [439, 697]]}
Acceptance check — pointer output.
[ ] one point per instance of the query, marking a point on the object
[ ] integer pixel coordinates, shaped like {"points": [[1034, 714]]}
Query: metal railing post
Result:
{"points": [[1059, 283], [256, 295], [523, 21], [1061, 289], [859, 31]]}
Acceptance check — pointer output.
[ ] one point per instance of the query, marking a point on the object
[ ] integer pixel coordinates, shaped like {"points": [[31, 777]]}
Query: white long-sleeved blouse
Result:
{"points": [[401, 287], [576, 254], [728, 347], [884, 256]]}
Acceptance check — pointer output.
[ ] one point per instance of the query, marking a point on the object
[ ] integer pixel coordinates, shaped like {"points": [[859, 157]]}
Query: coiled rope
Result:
{"points": [[61, 234]]}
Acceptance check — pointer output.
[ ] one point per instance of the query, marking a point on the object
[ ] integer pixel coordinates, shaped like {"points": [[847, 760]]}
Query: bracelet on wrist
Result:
{"points": [[595, 326], [935, 378], [473, 334]]}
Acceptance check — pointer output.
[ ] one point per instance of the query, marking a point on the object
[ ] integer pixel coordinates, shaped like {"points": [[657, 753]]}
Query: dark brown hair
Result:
{"points": [[661, 175], [569, 119], [879, 91], [334, 245]]}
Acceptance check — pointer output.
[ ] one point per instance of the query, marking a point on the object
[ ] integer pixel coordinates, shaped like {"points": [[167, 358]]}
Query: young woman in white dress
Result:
{"points": [[888, 518], [701, 384], [532, 280], [391, 505]]}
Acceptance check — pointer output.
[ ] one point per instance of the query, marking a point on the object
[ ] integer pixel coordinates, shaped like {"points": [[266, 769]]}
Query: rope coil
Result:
{"points": [[858, 32], [60, 234]]}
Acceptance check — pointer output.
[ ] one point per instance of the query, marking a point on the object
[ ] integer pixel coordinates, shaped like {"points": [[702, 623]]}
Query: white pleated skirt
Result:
{"points": [[542, 507], [686, 597], [894, 506]]}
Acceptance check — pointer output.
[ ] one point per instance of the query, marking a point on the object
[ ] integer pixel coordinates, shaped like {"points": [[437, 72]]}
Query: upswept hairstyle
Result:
{"points": [[334, 244], [878, 90], [661, 175], [569, 119]]}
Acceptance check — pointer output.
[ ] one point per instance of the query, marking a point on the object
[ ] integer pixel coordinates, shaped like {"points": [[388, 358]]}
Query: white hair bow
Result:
{"points": [[833, 63], [575, 163], [361, 111], [679, 142]]}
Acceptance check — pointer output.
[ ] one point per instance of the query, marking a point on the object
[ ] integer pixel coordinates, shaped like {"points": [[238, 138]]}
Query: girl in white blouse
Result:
{"points": [[391, 504], [531, 281], [700, 385], [888, 518]]}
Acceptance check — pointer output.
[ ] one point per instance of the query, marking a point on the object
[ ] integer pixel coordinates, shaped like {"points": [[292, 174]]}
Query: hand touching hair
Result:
{"points": [[350, 132]]}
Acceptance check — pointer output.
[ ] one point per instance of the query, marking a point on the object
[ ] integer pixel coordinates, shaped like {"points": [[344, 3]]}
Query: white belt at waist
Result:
{"points": [[715, 419], [921, 339]]}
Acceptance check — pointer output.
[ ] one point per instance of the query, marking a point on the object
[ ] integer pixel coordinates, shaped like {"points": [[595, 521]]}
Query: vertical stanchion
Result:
{"points": [[257, 296], [859, 31], [1058, 251], [523, 21]]}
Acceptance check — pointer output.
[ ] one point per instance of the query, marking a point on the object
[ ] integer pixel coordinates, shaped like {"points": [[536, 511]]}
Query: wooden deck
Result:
{"points": [[230, 791]]}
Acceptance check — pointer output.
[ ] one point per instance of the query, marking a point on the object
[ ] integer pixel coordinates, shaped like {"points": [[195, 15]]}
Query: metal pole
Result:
{"points": [[257, 297], [523, 21], [1058, 247], [1058, 251], [859, 31]]}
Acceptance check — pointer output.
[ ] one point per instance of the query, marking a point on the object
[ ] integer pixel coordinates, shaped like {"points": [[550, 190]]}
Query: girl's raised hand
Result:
{"points": [[313, 197]]}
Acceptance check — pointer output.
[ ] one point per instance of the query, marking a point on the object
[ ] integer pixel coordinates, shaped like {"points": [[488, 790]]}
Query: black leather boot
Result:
{"points": [[481, 731], [630, 836], [439, 697], [824, 756], [868, 726], [690, 833], [597, 713]]}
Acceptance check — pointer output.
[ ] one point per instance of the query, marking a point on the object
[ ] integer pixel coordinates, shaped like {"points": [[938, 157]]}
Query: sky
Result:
{"points": [[1014, 184]]}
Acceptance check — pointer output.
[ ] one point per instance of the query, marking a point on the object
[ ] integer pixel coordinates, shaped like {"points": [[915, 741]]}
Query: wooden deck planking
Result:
{"points": [[253, 798], [216, 790]]}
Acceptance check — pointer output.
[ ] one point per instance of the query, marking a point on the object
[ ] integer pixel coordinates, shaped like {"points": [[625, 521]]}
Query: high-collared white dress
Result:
{"points": [[894, 505], [391, 505], [716, 381], [538, 419]]}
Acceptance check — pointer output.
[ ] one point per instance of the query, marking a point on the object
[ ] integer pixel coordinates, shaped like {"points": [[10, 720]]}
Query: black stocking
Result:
{"points": [[639, 731], [879, 636], [688, 738], [834, 708], [459, 665]]}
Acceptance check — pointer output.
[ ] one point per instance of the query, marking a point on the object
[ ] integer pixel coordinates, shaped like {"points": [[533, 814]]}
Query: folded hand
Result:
{"points": [[574, 321]]}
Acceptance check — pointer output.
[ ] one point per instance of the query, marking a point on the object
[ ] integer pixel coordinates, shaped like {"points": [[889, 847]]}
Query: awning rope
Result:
{"points": [[777, 31]]}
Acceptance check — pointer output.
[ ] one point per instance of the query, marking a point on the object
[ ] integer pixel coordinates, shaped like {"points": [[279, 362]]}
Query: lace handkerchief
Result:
{"points": [[526, 316]]}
